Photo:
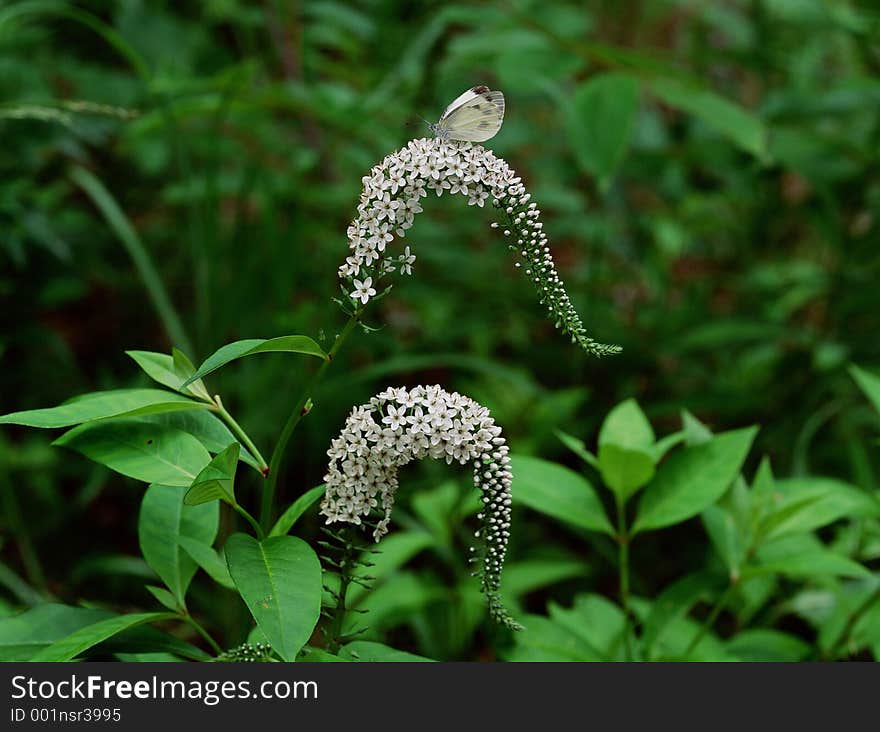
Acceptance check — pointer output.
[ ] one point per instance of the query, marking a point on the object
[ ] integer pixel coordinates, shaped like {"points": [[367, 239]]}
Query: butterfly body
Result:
{"points": [[474, 116]]}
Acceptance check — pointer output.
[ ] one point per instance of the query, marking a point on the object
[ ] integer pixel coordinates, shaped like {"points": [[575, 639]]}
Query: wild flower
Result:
{"points": [[391, 198], [400, 425]]}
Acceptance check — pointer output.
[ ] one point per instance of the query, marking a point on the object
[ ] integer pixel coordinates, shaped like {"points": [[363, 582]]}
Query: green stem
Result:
{"points": [[241, 435], [299, 411], [710, 620], [258, 530], [335, 639], [202, 632], [623, 539]]}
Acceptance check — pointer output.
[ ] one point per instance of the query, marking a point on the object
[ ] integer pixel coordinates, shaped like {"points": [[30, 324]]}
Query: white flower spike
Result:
{"points": [[391, 198], [402, 425]]}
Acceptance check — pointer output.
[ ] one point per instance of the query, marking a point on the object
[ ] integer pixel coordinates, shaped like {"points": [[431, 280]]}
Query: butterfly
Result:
{"points": [[474, 116]]}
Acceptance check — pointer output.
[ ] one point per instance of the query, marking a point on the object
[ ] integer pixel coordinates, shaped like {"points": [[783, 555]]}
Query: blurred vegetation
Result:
{"points": [[709, 177]]}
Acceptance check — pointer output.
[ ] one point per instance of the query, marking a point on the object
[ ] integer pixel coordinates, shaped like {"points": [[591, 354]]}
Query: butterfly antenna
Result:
{"points": [[416, 124]]}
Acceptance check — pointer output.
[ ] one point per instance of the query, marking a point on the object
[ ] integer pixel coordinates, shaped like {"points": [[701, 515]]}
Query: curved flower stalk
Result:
{"points": [[391, 198], [400, 425]]}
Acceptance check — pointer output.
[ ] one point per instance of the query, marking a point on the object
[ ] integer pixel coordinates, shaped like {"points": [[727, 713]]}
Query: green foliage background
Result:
{"points": [[708, 177]]}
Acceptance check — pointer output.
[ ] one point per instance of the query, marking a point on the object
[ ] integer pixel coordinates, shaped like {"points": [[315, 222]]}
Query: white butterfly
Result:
{"points": [[474, 116]]}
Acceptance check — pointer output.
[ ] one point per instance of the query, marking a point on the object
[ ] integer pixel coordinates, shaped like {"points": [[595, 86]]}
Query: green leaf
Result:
{"points": [[595, 620], [731, 120], [185, 370], [626, 426], [799, 505], [207, 429], [763, 484], [163, 520], [216, 480], [803, 557], [25, 634], [164, 597], [280, 581], [558, 492], [369, 651], [102, 405], [81, 640], [578, 448], [318, 655], [767, 645], [397, 601], [601, 119], [296, 509], [152, 453], [693, 479], [625, 470], [868, 383], [545, 640], [160, 368], [394, 551], [726, 537], [208, 559], [673, 604], [250, 346], [521, 578], [694, 431], [665, 444]]}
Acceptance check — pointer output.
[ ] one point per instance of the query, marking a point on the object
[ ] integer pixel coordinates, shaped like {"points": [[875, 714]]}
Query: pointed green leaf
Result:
{"points": [[208, 559], [694, 431], [595, 619], [578, 448], [763, 484], [546, 640], [601, 120], [81, 640], [395, 551], [163, 521], [296, 509], [665, 444], [673, 604], [185, 370], [164, 597], [868, 383], [811, 502], [726, 537], [693, 479], [558, 492], [251, 346], [731, 120], [803, 556], [521, 578], [160, 368], [763, 645], [280, 582], [372, 652], [625, 470], [25, 634], [217, 479], [207, 429], [102, 405], [149, 452], [627, 426]]}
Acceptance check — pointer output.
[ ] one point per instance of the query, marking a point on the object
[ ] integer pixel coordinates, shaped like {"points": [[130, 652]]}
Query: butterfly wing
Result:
{"points": [[474, 116]]}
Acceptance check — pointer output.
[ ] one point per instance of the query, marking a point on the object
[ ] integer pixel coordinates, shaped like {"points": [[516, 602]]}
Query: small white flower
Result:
{"points": [[363, 291]]}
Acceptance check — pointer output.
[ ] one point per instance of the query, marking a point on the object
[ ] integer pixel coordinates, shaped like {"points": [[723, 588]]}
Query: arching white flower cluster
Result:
{"points": [[391, 198], [400, 425]]}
